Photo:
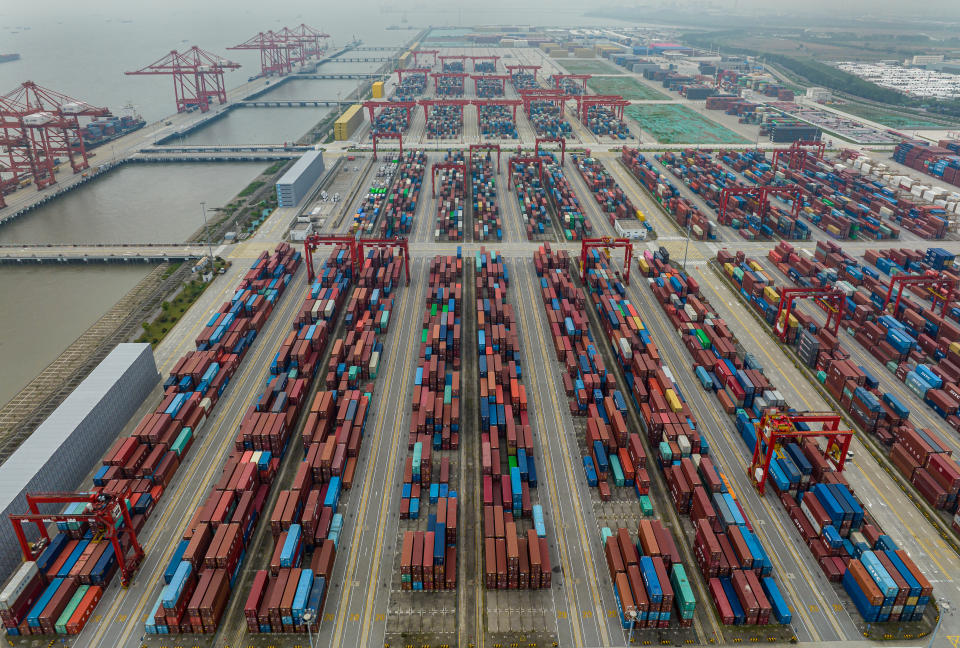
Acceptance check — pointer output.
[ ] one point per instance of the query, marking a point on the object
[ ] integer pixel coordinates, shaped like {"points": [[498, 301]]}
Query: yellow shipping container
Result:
{"points": [[755, 265], [728, 268], [377, 90], [583, 52], [672, 400], [641, 216], [644, 266], [955, 347], [559, 53], [348, 122], [547, 46], [771, 295]]}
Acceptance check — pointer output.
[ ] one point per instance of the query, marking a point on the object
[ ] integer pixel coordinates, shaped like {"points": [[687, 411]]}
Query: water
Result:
{"points": [[257, 126], [45, 308], [137, 203]]}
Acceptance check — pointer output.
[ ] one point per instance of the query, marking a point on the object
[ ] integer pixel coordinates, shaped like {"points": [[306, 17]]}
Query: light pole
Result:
{"points": [[203, 206], [944, 609], [687, 246], [307, 618], [633, 623]]}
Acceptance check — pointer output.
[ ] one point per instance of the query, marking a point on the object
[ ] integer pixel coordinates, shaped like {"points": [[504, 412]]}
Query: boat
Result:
{"points": [[6, 58]]}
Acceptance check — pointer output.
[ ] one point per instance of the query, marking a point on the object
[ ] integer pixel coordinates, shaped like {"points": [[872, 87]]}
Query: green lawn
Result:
{"points": [[889, 118], [627, 87], [588, 66], [674, 124]]}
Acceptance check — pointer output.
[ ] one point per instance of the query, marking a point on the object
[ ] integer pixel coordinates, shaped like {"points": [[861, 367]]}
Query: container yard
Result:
{"points": [[564, 397]]}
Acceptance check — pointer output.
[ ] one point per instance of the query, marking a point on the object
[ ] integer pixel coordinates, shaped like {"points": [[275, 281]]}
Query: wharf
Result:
{"points": [[124, 253]]}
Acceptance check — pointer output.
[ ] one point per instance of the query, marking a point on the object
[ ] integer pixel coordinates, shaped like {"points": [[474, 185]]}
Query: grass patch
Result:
{"points": [[172, 311], [273, 168], [891, 118], [627, 87], [675, 124], [587, 66], [250, 188]]}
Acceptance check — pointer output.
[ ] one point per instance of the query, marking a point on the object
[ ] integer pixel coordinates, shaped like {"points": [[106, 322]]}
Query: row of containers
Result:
{"points": [[497, 122], [611, 200], [489, 88], [306, 522], [450, 86], [841, 535], [647, 575], [392, 119], [400, 203], [428, 550], [372, 204], [602, 122], [444, 122], [548, 120], [531, 201], [666, 194], [516, 550], [563, 200], [838, 199], [914, 344], [523, 81], [681, 453], [57, 593], [485, 207], [411, 87], [451, 199], [209, 557], [847, 202]]}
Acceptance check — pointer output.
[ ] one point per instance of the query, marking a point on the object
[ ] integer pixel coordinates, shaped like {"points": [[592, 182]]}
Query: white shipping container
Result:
{"points": [[17, 584], [625, 351]]}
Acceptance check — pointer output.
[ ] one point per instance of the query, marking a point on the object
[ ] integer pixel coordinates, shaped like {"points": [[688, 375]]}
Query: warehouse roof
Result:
{"points": [[20, 469], [298, 168]]}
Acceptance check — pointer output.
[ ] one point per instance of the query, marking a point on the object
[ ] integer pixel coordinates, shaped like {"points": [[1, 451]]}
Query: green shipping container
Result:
{"points": [[183, 439], [821, 377], [616, 470], [423, 336], [447, 394], [433, 310], [704, 340], [682, 592], [665, 452], [61, 625], [417, 456], [384, 321], [645, 506], [605, 533], [353, 373]]}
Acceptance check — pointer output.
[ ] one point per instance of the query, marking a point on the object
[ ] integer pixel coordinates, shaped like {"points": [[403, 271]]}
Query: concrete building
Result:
{"points": [[296, 182]]}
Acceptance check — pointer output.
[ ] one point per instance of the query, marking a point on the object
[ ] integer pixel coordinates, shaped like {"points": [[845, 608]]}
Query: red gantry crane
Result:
{"points": [[38, 126], [462, 76], [797, 153], [421, 52], [429, 104], [615, 103], [485, 147], [780, 426], [314, 241], [498, 101], [607, 242], [305, 42], [560, 140], [409, 106], [762, 195], [380, 136], [577, 78], [941, 288], [412, 72], [831, 300], [275, 52], [453, 57], [197, 77], [107, 514]]}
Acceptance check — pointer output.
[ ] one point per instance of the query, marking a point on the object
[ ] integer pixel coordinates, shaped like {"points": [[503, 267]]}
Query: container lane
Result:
{"points": [[403, 197], [114, 628], [450, 216], [484, 219], [355, 614], [207, 562], [648, 575], [570, 221], [879, 492], [306, 518], [815, 624], [528, 185], [515, 547], [585, 621]]}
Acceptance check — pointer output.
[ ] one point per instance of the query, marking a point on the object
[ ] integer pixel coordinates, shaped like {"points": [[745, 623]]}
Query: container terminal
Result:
{"points": [[544, 341]]}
